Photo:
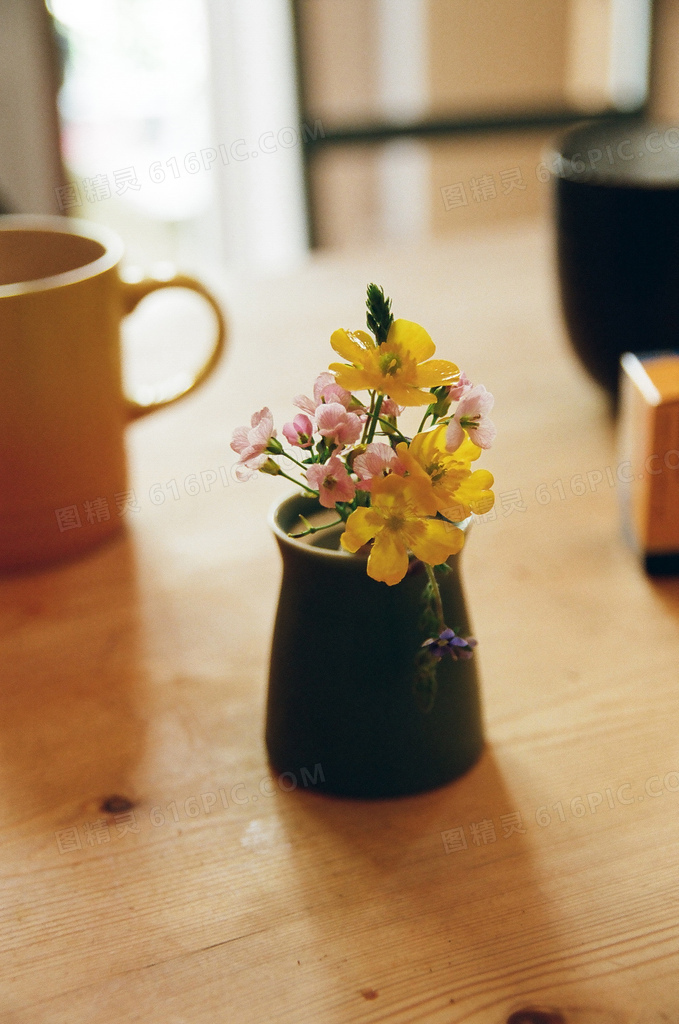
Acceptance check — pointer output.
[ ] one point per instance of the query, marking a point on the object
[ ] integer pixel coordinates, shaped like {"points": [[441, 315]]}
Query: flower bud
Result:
{"points": [[388, 424], [270, 467], [442, 404]]}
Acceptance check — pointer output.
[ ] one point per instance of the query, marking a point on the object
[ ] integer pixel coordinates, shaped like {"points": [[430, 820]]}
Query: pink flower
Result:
{"points": [[326, 390], [471, 415], [251, 443], [338, 426], [377, 460], [300, 432], [332, 482], [463, 385]]}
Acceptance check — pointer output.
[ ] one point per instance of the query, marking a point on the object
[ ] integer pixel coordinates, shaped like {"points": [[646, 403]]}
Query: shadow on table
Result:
{"points": [[444, 885], [367, 827], [70, 733]]}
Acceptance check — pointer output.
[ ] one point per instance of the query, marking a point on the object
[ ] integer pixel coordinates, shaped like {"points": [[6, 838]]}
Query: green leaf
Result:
{"points": [[380, 317]]}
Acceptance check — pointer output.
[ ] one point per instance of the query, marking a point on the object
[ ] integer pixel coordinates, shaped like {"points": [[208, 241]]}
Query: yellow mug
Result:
{"points": [[63, 473]]}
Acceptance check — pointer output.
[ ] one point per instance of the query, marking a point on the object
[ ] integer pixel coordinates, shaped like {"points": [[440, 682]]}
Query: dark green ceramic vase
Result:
{"points": [[341, 684]]}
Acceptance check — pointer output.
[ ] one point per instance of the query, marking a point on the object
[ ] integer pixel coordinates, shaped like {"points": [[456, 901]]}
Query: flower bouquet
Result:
{"points": [[401, 503]]}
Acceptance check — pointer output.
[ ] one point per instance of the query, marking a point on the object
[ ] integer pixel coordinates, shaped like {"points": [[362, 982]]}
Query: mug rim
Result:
{"points": [[562, 167], [52, 224]]}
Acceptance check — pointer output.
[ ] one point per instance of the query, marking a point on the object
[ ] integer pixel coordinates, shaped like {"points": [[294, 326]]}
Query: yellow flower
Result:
{"points": [[457, 491], [398, 521], [400, 367]]}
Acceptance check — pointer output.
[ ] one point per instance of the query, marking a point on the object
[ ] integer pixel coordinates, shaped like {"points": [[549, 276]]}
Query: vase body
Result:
{"points": [[341, 685]]}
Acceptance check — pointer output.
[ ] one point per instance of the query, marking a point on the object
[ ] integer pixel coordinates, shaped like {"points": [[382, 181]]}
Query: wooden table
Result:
{"points": [[150, 868]]}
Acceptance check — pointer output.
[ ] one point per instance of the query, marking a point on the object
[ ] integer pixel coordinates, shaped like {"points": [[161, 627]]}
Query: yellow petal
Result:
{"points": [[366, 340], [405, 454], [403, 496], [430, 446], [433, 541], [405, 394], [418, 483], [349, 377], [420, 495], [426, 445], [472, 494], [362, 525], [435, 373], [476, 492], [345, 346], [416, 447], [388, 561], [467, 452], [480, 480], [387, 493], [413, 338], [452, 499]]}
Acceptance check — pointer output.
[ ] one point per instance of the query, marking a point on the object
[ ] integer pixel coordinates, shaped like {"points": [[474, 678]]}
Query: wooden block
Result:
{"points": [[649, 444]]}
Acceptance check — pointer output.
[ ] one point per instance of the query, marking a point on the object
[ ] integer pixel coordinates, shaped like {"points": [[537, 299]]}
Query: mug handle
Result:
{"points": [[168, 392]]}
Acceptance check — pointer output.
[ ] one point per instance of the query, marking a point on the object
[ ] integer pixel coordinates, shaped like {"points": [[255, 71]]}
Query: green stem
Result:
{"points": [[376, 416], [298, 483], [292, 459], [437, 596], [368, 420], [315, 529], [393, 429], [427, 413]]}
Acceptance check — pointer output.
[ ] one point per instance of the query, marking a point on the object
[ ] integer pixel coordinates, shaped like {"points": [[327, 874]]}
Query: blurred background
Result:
{"points": [[247, 131]]}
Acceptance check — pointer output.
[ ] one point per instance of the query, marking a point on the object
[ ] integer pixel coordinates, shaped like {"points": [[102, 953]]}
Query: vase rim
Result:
{"points": [[312, 503], [302, 499]]}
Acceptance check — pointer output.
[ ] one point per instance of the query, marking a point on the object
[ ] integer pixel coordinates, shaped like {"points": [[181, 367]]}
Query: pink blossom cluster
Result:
{"points": [[336, 417], [328, 413]]}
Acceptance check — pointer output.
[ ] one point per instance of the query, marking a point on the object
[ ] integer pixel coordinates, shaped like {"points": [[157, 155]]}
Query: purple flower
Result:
{"points": [[447, 642]]}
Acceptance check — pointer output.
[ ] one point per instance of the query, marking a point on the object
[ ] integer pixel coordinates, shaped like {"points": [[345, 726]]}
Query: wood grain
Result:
{"points": [[140, 673]]}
